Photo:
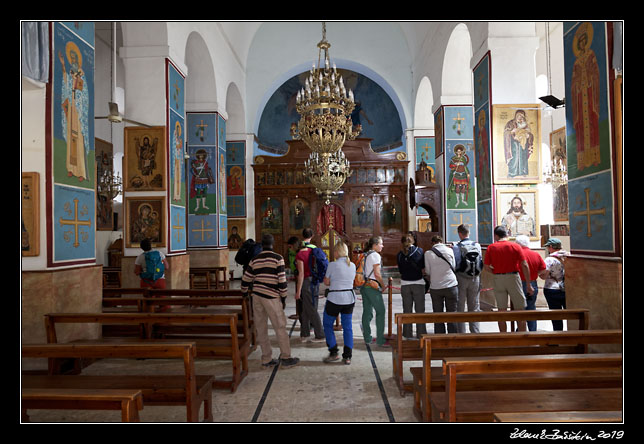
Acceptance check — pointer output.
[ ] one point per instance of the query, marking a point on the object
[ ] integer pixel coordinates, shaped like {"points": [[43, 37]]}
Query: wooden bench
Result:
{"points": [[410, 350], [219, 340], [428, 379], [128, 401], [454, 405], [188, 389], [540, 417], [202, 277]]}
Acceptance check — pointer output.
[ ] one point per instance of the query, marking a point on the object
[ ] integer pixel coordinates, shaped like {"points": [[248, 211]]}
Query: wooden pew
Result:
{"points": [[541, 417], [453, 405], [428, 379], [202, 277], [221, 342], [188, 389], [410, 350], [128, 401]]}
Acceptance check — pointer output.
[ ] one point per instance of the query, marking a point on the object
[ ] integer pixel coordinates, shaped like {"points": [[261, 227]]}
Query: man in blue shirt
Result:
{"points": [[469, 284]]}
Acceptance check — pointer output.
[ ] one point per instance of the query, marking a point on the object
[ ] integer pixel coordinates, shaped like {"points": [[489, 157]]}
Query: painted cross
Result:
{"points": [[588, 212], [75, 222], [458, 120], [201, 128], [178, 227], [202, 230]]}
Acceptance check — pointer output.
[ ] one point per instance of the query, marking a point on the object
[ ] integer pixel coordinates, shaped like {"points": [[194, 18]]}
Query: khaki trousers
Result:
{"points": [[271, 309]]}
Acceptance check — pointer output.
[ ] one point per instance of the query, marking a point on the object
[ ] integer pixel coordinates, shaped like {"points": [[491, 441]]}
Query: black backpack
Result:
{"points": [[471, 258], [246, 253]]}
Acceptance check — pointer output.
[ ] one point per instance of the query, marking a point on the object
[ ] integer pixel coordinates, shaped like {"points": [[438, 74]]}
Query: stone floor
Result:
{"points": [[311, 392]]}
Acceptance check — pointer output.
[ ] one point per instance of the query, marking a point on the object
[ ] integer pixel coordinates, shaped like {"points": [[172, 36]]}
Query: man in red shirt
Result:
{"points": [[309, 316], [504, 259], [536, 264]]}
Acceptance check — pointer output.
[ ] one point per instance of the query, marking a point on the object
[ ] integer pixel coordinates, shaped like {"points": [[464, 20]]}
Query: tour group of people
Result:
{"points": [[450, 274]]}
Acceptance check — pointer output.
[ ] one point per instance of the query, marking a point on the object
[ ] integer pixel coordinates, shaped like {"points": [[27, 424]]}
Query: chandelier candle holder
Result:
{"points": [[327, 173], [110, 185], [325, 106], [556, 176]]}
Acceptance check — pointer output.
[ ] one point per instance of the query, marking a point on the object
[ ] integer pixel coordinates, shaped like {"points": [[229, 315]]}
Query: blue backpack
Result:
{"points": [[318, 263], [154, 267]]}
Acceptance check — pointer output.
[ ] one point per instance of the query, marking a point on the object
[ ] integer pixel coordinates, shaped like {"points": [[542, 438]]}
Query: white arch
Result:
{"points": [[456, 85], [201, 87], [423, 116], [236, 124]]}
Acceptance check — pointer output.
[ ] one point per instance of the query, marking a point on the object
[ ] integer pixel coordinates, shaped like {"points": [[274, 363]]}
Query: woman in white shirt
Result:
{"points": [[340, 301], [372, 297], [443, 285]]}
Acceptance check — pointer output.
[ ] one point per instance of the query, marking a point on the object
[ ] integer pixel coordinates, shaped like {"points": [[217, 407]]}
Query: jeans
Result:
{"points": [[331, 311], [413, 298], [556, 299], [531, 301], [468, 292], [444, 299]]}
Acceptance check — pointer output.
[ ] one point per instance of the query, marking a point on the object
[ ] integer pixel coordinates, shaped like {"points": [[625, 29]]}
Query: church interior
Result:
{"points": [[201, 135]]}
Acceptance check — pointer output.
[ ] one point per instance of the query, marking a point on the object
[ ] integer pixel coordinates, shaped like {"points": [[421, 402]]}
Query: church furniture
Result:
{"points": [[453, 405], [189, 389], [428, 379], [217, 344], [203, 277], [111, 277], [559, 417], [372, 202], [406, 350], [128, 401]]}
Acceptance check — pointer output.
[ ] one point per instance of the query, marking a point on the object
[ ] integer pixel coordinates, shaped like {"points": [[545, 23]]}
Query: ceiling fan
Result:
{"points": [[114, 115]]}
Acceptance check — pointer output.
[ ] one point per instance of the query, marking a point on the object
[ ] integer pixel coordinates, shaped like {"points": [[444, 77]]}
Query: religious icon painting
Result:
{"points": [[485, 225], [236, 206], [202, 186], [177, 229], [425, 225], [202, 230], [201, 129], [518, 211], [517, 143], [390, 214], [74, 224], [588, 105], [144, 159], [271, 216], [458, 122], [223, 230], [558, 161], [145, 218], [362, 215], [104, 165], [438, 130], [30, 221], [176, 158], [459, 159], [72, 106], [483, 154], [236, 233], [221, 176], [299, 215]]}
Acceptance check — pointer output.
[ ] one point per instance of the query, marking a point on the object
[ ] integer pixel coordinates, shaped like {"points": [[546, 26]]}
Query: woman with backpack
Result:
{"points": [[371, 293], [412, 285], [340, 301]]}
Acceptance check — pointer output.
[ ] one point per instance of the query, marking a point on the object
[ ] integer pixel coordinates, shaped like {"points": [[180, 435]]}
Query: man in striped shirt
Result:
{"points": [[266, 273]]}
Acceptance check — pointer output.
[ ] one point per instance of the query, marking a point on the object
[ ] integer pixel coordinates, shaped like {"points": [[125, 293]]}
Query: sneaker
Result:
{"points": [[289, 362], [386, 344], [305, 339], [317, 340], [346, 361], [332, 358], [271, 363]]}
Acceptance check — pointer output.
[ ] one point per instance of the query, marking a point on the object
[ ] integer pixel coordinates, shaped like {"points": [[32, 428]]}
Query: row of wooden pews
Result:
{"points": [[144, 324], [518, 376]]}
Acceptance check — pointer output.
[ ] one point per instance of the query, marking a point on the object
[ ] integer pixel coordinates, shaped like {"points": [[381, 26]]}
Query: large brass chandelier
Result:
{"points": [[325, 107]]}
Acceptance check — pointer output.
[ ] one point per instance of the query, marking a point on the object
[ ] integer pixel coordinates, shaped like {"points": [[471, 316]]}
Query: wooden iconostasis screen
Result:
{"points": [[373, 201]]}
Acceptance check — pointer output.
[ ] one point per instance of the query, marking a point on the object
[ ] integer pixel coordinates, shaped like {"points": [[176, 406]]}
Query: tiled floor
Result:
{"points": [[312, 392]]}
